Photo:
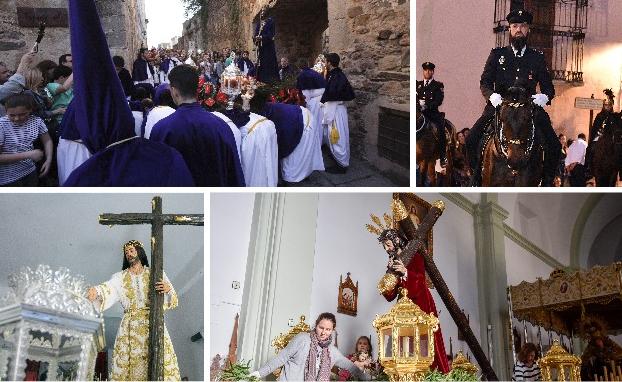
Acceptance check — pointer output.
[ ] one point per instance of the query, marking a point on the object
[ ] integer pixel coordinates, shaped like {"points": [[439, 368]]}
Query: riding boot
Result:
{"points": [[552, 148], [588, 161], [442, 145]]}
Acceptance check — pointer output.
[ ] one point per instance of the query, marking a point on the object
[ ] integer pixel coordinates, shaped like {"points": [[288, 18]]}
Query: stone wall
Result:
{"points": [[123, 22], [371, 36]]}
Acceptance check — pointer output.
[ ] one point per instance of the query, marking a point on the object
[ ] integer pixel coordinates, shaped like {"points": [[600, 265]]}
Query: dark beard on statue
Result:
{"points": [[392, 254], [133, 260], [518, 42]]}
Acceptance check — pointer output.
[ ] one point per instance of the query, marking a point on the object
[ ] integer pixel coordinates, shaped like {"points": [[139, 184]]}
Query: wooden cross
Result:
{"points": [[156, 311], [417, 245]]}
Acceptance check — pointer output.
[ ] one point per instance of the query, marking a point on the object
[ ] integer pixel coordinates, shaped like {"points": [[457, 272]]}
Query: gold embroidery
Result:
{"points": [[130, 353], [255, 125], [103, 291]]}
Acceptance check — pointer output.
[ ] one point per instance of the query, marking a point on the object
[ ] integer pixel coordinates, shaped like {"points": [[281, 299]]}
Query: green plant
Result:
{"points": [[453, 375], [238, 371]]}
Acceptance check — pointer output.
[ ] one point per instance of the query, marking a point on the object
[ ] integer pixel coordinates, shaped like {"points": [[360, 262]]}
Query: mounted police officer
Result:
{"points": [[430, 95], [605, 119], [505, 67]]}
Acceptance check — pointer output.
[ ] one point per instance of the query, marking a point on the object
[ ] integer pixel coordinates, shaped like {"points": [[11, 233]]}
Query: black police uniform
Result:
{"points": [[433, 94], [503, 69], [604, 120]]}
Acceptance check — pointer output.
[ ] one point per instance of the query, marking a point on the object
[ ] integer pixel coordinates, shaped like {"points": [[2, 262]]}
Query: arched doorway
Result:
{"points": [[301, 29]]}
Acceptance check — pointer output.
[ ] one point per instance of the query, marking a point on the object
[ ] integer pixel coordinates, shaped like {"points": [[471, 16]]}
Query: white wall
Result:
{"points": [[230, 224], [522, 265], [607, 210], [546, 219]]}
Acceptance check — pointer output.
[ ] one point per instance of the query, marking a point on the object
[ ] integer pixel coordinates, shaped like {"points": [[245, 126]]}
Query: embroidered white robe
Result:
{"points": [[130, 353]]}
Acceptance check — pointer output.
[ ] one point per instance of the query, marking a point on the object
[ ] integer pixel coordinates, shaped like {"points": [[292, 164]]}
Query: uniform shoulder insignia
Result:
{"points": [[499, 49], [440, 84]]}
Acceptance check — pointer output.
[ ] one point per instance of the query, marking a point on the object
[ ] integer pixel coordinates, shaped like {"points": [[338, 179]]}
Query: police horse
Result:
{"points": [[428, 152], [607, 153], [512, 151]]}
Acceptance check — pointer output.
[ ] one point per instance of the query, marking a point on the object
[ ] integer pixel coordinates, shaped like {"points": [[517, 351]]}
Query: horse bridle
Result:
{"points": [[503, 142], [422, 125]]}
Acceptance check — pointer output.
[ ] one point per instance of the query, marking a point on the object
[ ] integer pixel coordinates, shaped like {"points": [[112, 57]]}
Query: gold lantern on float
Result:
{"points": [[559, 365], [461, 362], [406, 340]]}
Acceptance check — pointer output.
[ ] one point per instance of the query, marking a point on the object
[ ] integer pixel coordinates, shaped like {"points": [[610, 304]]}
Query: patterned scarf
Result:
{"points": [[310, 367]]}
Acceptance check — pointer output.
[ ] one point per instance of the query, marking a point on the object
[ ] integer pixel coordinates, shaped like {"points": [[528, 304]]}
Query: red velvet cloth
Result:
{"points": [[419, 293]]}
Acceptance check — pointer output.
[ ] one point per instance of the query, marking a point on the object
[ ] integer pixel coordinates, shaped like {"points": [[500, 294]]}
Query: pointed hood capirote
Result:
{"points": [[102, 114]]}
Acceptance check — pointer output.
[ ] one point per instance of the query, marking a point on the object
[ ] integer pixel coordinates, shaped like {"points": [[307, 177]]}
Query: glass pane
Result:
{"points": [[407, 341], [387, 339], [423, 345]]}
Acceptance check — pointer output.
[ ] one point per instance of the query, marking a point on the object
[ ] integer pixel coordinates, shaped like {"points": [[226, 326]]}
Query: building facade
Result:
{"points": [[123, 21]]}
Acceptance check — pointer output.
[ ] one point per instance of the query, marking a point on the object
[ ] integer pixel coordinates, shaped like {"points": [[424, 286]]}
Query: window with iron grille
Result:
{"points": [[394, 136], [558, 30]]}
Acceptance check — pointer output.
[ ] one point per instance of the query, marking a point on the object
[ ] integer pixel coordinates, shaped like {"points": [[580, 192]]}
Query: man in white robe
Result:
{"points": [[234, 129], [307, 156], [259, 155], [335, 119], [71, 151]]}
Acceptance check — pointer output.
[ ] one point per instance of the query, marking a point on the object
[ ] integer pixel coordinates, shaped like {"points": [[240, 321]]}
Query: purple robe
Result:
{"points": [[206, 143], [100, 114], [289, 124]]}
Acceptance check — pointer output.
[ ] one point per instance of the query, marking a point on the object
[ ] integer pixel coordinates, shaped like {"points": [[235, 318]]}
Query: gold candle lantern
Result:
{"points": [[559, 365], [461, 362], [406, 340]]}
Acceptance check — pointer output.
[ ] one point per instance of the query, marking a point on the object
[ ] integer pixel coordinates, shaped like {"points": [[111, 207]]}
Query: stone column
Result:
{"points": [[492, 283], [279, 271]]}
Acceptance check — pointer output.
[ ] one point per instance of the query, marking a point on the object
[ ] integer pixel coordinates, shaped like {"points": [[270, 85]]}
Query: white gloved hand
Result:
{"points": [[422, 102], [255, 374], [495, 99], [540, 99]]}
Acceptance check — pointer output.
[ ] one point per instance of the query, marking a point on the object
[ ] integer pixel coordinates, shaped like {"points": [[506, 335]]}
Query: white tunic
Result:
{"points": [[259, 155], [313, 97], [576, 152], [307, 156], [155, 115], [138, 122], [336, 131], [69, 156], [234, 129]]}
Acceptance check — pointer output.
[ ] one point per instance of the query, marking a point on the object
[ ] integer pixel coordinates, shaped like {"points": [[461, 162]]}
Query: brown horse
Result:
{"points": [[513, 156], [428, 152], [607, 153]]}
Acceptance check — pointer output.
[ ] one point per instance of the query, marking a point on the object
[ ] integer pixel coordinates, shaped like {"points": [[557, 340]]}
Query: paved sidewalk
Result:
{"points": [[359, 174]]}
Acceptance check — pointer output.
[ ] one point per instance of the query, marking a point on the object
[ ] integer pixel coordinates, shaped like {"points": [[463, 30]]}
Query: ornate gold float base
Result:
{"points": [[405, 372]]}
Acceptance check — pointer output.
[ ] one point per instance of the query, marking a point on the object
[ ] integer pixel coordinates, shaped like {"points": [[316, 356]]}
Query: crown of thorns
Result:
{"points": [[132, 243]]}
